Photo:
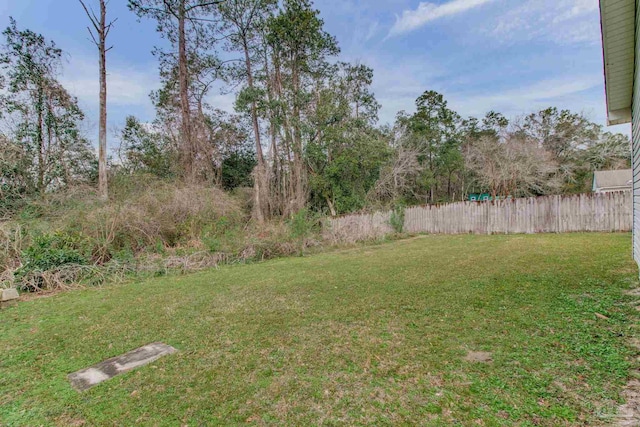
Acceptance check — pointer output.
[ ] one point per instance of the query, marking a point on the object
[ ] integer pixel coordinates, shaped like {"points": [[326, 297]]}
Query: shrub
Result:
{"points": [[396, 221], [303, 226], [46, 253], [51, 250], [12, 240], [159, 214]]}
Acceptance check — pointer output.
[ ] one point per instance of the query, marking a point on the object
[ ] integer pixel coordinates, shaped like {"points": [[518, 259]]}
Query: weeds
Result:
{"points": [[396, 221], [73, 239]]}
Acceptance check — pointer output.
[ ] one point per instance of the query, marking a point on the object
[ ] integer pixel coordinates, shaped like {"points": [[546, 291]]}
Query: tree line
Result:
{"points": [[304, 133]]}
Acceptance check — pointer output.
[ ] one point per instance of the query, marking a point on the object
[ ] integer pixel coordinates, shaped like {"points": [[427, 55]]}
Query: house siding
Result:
{"points": [[635, 132]]}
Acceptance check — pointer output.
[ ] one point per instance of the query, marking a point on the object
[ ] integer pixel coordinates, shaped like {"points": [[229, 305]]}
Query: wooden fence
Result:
{"points": [[608, 212]]}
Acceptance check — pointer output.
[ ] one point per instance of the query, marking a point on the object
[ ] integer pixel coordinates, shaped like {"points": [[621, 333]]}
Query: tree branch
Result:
{"points": [[93, 37], [92, 16], [108, 27], [168, 7], [210, 3]]}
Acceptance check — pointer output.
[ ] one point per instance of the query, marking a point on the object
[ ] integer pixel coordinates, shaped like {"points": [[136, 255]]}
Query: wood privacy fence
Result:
{"points": [[607, 212]]}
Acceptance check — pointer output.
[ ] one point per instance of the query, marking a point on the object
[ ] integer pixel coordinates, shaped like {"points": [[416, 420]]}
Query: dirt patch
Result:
{"points": [[7, 304], [30, 296], [633, 292], [479, 357], [629, 413]]}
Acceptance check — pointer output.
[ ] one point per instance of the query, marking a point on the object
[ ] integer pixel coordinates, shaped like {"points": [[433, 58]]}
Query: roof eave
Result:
{"points": [[619, 112], [618, 117]]}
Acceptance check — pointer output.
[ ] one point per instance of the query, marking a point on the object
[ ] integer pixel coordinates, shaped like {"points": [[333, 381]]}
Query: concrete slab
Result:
{"points": [[8, 294], [94, 375]]}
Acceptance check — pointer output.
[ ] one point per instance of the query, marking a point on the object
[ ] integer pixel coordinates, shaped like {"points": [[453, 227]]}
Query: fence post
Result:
{"points": [[558, 215]]}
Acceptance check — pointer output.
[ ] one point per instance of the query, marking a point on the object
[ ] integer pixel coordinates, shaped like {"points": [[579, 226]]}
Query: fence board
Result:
{"points": [[607, 212]]}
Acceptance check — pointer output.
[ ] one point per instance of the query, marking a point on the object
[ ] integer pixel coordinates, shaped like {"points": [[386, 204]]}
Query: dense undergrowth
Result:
{"points": [[147, 227]]}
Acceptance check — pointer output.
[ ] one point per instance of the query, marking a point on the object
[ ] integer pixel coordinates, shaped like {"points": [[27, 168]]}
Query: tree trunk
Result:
{"points": [[286, 176], [260, 172], [275, 195], [274, 183], [254, 109], [332, 207], [40, 139], [100, 39], [431, 195], [187, 149], [300, 193], [47, 150], [102, 137]]}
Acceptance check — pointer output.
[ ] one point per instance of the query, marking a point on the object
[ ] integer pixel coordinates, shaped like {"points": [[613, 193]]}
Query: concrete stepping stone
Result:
{"points": [[8, 294], [94, 375]]}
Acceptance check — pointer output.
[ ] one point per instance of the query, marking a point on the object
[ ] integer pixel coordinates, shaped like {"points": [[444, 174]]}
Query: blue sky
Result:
{"points": [[512, 56]]}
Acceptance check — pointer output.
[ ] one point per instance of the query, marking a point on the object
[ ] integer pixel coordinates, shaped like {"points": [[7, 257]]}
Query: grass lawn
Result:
{"points": [[375, 335]]}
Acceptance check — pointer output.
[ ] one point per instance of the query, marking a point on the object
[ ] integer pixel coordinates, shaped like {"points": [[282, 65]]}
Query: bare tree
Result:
{"points": [[513, 166], [611, 151], [482, 157], [399, 177], [100, 39]]}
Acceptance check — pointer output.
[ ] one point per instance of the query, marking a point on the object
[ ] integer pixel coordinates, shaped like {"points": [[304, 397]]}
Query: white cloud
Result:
{"points": [[222, 101], [577, 93], [426, 12], [553, 88], [575, 8], [396, 87], [373, 30], [126, 87], [561, 22], [128, 90], [566, 92]]}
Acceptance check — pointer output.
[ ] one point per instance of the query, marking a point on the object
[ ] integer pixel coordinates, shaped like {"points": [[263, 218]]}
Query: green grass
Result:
{"points": [[375, 335]]}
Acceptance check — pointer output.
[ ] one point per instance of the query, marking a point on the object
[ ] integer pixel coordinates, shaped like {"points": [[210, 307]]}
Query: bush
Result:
{"points": [[12, 240], [304, 224], [158, 214], [267, 241], [396, 221], [47, 252]]}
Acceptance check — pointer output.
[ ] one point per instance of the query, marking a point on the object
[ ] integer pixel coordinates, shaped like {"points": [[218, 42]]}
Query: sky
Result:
{"points": [[511, 56]]}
